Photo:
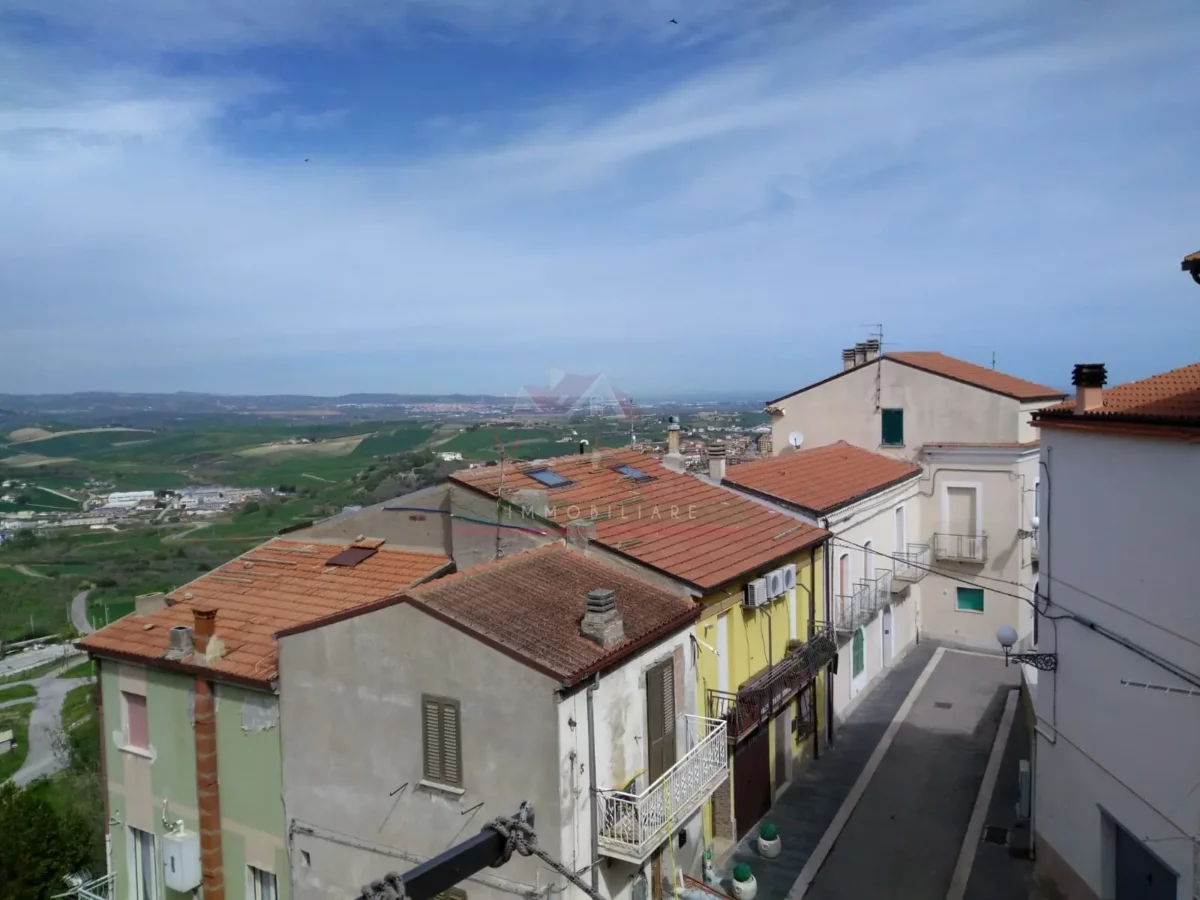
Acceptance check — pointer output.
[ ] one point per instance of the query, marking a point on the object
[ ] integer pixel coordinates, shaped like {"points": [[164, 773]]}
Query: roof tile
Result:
{"points": [[1169, 398], [531, 605], [690, 529], [988, 379], [264, 598], [822, 478]]}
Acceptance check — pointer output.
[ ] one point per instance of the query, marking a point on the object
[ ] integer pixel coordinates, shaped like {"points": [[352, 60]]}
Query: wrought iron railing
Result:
{"points": [[632, 826], [763, 696], [84, 887], [911, 563], [960, 547]]}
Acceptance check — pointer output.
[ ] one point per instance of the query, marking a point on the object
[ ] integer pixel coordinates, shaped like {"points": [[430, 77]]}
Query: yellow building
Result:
{"points": [[760, 644]]}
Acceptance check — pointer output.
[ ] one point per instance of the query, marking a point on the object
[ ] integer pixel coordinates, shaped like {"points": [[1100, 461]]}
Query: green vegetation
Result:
{"points": [[17, 692], [79, 703], [15, 719], [32, 607], [404, 439], [487, 443], [12, 575], [44, 669], [85, 669]]}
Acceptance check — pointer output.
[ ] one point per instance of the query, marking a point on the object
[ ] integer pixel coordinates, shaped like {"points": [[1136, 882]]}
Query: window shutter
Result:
{"points": [[893, 427], [433, 744], [668, 702], [451, 751]]}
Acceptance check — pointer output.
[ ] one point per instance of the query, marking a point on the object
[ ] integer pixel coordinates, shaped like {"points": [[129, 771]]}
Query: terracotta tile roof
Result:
{"points": [[1170, 398], [999, 445], [822, 478], [530, 606], [988, 379], [278, 585], [690, 529], [1191, 259]]}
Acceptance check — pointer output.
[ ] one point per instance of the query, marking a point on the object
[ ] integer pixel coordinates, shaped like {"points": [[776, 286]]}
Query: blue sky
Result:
{"points": [[455, 195]]}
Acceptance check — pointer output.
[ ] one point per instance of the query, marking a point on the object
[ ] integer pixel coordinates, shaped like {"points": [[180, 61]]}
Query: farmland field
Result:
{"points": [[399, 440], [79, 443]]}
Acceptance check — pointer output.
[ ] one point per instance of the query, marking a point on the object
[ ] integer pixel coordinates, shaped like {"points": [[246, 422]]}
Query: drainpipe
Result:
{"points": [[812, 630], [208, 791], [108, 869], [595, 829]]}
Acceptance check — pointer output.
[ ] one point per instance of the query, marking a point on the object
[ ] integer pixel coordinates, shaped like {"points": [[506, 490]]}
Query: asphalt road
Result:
{"points": [[44, 723], [79, 614]]}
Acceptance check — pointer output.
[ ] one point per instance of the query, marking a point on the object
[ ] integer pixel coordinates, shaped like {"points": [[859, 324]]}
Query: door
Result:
{"points": [[1139, 873], [752, 780], [783, 739], [723, 653], [961, 512], [858, 662], [888, 647], [660, 719]]}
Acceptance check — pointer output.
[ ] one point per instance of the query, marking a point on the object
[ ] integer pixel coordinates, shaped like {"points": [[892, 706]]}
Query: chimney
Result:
{"points": [[673, 435], [582, 447], [848, 358], [860, 354], [579, 532], [1089, 380], [204, 619], [872, 348], [602, 622], [716, 461]]}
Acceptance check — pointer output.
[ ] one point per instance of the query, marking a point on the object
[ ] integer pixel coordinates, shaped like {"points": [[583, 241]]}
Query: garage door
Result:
{"points": [[752, 780], [1140, 874]]}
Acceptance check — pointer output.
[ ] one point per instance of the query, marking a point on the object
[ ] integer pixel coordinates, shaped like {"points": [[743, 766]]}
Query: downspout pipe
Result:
{"points": [[593, 787]]}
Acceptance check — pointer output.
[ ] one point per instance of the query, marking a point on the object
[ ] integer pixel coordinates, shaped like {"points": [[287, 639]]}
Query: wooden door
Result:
{"points": [[660, 719], [752, 780]]}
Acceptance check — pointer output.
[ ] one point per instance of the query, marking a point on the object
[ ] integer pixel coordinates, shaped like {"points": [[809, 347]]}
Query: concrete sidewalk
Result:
{"points": [[810, 803], [903, 838]]}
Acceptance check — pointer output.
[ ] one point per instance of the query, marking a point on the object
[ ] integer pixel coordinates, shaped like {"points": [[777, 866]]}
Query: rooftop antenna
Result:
{"points": [[877, 336], [993, 360], [500, 494]]}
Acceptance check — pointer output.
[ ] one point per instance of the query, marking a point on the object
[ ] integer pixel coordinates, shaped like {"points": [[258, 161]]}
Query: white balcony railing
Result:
{"points": [[911, 564], [971, 548], [84, 887], [632, 826]]}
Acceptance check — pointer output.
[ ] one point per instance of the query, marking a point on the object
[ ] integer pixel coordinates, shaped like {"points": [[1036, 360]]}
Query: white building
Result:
{"points": [[452, 456], [127, 499], [871, 505], [970, 430], [1117, 757], [546, 677]]}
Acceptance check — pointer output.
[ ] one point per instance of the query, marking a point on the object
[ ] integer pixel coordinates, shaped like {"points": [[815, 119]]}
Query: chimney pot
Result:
{"points": [[204, 621], [1089, 380], [860, 354], [673, 435], [181, 640], [602, 621], [716, 461], [848, 358], [580, 532], [872, 349]]}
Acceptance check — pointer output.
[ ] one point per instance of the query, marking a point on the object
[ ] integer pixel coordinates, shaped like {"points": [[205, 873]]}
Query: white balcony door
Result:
{"points": [[961, 508], [868, 561], [843, 586], [143, 871]]}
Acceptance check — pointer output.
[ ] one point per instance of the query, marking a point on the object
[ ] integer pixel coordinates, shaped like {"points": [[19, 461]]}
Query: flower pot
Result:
{"points": [[769, 848], [745, 887], [745, 890]]}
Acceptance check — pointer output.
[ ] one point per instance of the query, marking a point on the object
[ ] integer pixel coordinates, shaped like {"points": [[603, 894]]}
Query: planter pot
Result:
{"points": [[745, 890], [769, 848]]}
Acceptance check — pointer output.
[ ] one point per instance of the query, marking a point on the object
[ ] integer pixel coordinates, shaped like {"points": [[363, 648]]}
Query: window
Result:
{"points": [[262, 885], [901, 531], [893, 428], [857, 661], [969, 599], [868, 560], [632, 472], [143, 881], [548, 478], [137, 729], [1037, 499], [442, 740]]}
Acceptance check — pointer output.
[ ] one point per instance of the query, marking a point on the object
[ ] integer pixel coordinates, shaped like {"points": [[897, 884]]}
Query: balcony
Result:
{"points": [[970, 548], [870, 595], [910, 565], [632, 826], [767, 693], [84, 887]]}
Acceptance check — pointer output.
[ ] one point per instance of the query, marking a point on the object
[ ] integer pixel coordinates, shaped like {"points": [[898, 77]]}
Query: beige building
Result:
{"points": [[969, 428]]}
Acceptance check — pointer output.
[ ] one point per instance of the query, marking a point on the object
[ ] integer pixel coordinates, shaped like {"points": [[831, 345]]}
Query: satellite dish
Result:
{"points": [[796, 438]]}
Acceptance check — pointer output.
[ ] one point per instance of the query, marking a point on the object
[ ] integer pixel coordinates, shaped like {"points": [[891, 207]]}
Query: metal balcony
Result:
{"points": [[870, 595], [84, 887], [632, 826], [960, 547], [911, 565], [769, 691]]}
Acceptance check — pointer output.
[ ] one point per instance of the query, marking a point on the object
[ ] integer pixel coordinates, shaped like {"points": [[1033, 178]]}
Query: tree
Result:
{"points": [[41, 846], [250, 507]]}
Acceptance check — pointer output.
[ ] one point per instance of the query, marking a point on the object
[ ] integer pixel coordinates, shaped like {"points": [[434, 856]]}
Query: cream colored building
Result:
{"points": [[969, 428]]}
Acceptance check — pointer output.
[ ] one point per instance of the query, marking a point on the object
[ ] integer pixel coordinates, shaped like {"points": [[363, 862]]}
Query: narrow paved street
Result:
{"points": [[79, 616], [44, 722], [900, 833]]}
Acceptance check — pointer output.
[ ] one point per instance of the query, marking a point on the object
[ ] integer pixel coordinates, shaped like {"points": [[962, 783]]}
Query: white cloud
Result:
{"points": [[779, 200]]}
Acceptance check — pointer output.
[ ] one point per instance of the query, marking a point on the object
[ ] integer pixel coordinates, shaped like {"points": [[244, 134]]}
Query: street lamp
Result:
{"points": [[1007, 636]]}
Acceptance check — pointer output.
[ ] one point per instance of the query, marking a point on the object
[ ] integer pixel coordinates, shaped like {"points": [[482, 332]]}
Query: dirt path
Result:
{"points": [[25, 570], [317, 478]]}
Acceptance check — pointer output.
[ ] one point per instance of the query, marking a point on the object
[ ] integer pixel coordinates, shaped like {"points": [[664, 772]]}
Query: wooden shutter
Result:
{"points": [[660, 718], [442, 740], [893, 428]]}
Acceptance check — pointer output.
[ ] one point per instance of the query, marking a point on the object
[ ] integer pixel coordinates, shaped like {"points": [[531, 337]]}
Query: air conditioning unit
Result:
{"points": [[756, 594], [775, 583], [789, 577]]}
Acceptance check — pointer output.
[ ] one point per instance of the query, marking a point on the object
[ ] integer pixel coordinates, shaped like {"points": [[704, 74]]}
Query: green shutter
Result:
{"points": [[893, 427], [970, 599], [857, 662]]}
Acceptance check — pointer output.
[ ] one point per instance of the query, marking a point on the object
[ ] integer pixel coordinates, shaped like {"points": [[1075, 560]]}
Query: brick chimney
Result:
{"points": [[208, 790], [1089, 380], [602, 622], [204, 624], [673, 435], [716, 461]]}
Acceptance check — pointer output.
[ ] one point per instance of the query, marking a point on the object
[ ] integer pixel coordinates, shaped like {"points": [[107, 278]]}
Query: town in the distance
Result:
{"points": [[566, 644]]}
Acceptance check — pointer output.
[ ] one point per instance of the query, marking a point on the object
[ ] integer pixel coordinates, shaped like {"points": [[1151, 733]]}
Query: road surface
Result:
{"points": [[44, 722], [79, 616]]}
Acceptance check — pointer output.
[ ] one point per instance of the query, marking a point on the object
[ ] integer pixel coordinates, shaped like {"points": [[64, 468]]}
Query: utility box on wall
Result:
{"points": [[181, 860]]}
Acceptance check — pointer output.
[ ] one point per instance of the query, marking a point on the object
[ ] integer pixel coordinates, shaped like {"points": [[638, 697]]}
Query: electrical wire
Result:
{"points": [[1166, 665]]}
